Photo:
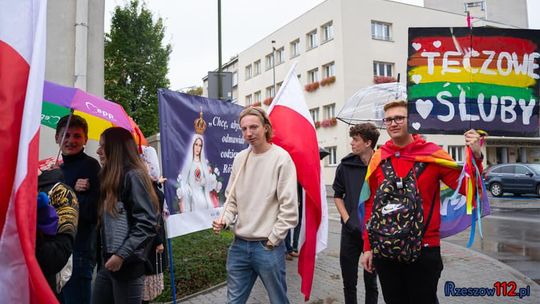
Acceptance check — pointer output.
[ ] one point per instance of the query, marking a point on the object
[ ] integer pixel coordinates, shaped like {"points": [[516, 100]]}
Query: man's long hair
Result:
{"points": [[121, 155]]}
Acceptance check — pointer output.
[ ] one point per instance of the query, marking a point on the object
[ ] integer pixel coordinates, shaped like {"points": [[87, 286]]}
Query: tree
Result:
{"points": [[136, 63], [195, 91]]}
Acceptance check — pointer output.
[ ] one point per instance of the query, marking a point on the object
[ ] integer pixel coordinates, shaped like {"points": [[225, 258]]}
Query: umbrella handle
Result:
{"points": [[63, 137]]}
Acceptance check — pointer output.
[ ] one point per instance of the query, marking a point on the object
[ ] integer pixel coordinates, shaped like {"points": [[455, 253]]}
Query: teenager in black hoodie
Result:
{"points": [[347, 185], [81, 174]]}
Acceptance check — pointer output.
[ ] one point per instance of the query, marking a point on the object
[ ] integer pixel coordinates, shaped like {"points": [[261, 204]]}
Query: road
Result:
{"points": [[511, 234]]}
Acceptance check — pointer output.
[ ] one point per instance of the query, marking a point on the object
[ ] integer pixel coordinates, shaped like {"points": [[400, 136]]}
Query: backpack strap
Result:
{"points": [[388, 169], [418, 168]]}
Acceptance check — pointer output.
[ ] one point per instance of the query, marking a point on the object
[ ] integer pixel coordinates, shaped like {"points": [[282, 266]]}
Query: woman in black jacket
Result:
{"points": [[128, 210]]}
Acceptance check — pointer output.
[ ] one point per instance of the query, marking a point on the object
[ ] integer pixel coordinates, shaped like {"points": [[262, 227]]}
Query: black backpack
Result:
{"points": [[396, 226]]}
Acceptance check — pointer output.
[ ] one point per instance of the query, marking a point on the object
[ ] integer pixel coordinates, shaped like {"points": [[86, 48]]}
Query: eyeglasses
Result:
{"points": [[397, 119]]}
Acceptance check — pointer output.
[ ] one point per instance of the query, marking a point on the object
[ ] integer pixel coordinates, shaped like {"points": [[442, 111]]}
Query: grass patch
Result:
{"points": [[199, 263]]}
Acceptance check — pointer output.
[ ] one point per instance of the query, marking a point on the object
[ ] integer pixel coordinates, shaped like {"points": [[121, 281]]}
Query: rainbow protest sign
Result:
{"points": [[481, 78]]}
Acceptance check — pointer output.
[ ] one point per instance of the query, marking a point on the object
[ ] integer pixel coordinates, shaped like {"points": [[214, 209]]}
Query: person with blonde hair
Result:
{"points": [[263, 207], [402, 210]]}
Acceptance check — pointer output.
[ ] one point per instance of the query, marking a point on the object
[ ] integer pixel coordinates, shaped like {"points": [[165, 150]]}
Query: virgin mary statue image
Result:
{"points": [[193, 192]]}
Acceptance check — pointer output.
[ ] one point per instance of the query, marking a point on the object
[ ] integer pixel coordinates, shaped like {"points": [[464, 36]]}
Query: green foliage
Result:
{"points": [[195, 91], [199, 263], [136, 63]]}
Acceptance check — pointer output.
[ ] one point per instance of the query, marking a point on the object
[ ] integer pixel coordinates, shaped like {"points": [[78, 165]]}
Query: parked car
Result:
{"points": [[513, 178]]}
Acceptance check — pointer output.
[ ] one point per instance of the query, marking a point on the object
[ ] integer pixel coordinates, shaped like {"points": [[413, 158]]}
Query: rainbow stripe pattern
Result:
{"points": [[480, 78], [454, 219]]}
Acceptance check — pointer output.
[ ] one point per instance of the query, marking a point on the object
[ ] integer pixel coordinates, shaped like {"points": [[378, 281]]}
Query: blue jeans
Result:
{"points": [[109, 290], [78, 288], [248, 260]]}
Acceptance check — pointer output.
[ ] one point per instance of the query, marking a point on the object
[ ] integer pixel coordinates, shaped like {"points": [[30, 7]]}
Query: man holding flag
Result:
{"points": [[295, 132], [403, 178], [262, 205]]}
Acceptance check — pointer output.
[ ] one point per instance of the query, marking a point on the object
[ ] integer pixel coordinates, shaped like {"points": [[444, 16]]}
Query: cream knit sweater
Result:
{"points": [[264, 203]]}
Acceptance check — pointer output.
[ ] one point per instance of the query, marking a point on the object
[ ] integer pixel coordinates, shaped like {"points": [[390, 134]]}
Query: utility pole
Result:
{"points": [[220, 86], [274, 66]]}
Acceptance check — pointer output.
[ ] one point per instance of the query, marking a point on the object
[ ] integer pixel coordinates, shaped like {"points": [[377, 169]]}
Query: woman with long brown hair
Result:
{"points": [[128, 213]]}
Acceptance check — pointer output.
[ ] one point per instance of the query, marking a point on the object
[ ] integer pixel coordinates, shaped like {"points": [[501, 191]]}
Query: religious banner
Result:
{"points": [[479, 78], [199, 139]]}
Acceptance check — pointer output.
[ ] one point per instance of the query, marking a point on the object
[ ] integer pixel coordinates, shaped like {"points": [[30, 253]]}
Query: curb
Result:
{"points": [[513, 271], [209, 289], [519, 204]]}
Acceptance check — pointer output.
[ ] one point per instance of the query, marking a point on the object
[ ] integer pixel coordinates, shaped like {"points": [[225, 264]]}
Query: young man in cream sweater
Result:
{"points": [[262, 207]]}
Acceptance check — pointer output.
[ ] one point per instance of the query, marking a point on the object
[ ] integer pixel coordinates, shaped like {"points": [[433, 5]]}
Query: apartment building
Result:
{"points": [[342, 46]]}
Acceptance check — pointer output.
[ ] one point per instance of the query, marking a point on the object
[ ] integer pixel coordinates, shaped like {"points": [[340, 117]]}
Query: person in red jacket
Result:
{"points": [[414, 282]]}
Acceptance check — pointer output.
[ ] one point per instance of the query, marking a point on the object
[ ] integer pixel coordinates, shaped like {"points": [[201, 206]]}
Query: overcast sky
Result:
{"points": [[191, 29]]}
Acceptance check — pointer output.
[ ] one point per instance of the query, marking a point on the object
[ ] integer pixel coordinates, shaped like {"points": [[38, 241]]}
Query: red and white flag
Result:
{"points": [[22, 72], [295, 132]]}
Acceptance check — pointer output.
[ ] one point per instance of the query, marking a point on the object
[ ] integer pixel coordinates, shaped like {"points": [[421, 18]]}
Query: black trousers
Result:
{"points": [[411, 283], [349, 257]]}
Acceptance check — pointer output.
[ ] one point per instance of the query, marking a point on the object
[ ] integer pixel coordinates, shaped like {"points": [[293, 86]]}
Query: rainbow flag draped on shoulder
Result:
{"points": [[458, 212]]}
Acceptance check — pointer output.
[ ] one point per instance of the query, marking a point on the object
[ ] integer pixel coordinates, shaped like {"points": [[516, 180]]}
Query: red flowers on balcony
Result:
{"points": [[310, 87], [268, 101], [383, 79], [328, 80], [330, 122]]}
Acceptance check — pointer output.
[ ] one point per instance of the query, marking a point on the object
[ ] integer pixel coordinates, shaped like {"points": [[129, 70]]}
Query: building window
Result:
{"points": [[248, 100], [248, 72], [269, 59], [311, 39], [329, 111], [270, 92], [381, 30], [313, 75], [280, 55], [278, 86], [456, 152], [314, 114], [329, 70], [295, 48], [235, 79], [331, 159], [256, 68], [257, 96], [327, 31], [383, 68]]}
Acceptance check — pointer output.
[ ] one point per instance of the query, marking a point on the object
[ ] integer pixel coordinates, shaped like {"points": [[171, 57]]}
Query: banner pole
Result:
{"points": [[171, 267]]}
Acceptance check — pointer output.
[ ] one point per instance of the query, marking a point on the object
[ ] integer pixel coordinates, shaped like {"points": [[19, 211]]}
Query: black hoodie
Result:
{"points": [[347, 185]]}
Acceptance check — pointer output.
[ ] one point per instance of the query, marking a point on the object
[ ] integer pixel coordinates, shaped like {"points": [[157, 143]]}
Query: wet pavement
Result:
{"points": [[511, 234]]}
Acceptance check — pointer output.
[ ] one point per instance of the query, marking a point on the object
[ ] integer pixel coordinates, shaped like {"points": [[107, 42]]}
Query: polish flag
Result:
{"points": [[295, 132], [22, 72]]}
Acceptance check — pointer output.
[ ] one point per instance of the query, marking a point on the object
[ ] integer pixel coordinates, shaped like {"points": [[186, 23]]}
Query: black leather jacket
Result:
{"points": [[142, 221]]}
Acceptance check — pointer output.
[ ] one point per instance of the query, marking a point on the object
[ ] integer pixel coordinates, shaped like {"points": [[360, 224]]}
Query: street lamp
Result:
{"points": [[274, 66]]}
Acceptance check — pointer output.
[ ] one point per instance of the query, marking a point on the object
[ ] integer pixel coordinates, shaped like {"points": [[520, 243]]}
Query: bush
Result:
{"points": [[199, 263]]}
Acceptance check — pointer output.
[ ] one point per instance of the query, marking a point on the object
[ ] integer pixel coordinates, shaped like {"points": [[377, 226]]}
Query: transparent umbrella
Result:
{"points": [[366, 105]]}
